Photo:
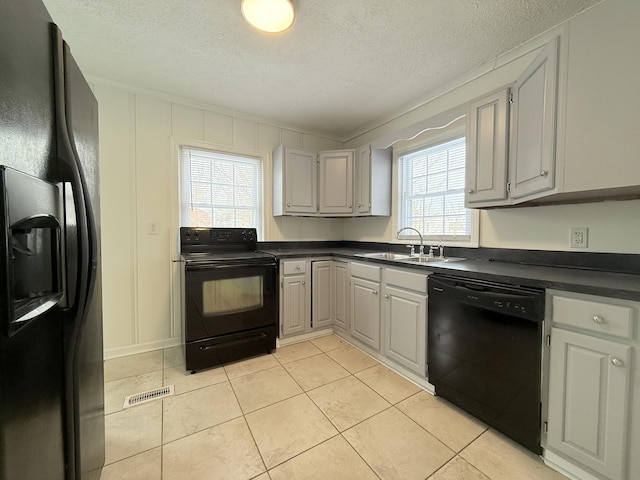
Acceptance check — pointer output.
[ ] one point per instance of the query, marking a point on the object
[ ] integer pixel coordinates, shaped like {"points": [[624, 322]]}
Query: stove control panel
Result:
{"points": [[213, 236]]}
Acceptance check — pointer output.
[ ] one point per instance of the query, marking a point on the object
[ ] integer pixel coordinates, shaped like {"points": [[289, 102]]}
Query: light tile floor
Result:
{"points": [[319, 409]]}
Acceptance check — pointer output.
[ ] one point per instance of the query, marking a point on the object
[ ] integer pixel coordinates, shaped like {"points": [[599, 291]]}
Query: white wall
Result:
{"points": [[138, 179]]}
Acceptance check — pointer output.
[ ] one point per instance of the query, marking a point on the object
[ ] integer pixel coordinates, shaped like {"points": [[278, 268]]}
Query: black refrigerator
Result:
{"points": [[51, 360]]}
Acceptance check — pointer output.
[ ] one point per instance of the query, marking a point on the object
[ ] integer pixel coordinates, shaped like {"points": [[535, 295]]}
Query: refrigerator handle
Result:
{"points": [[72, 173], [85, 273]]}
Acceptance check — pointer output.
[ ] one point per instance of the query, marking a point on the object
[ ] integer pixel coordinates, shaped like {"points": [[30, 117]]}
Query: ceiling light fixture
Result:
{"points": [[272, 16]]}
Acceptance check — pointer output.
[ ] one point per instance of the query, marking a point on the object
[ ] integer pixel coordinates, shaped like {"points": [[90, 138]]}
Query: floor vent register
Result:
{"points": [[149, 396]]}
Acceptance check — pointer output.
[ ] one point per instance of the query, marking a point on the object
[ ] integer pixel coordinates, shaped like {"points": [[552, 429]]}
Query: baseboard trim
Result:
{"points": [[565, 467], [116, 352], [283, 342], [399, 369]]}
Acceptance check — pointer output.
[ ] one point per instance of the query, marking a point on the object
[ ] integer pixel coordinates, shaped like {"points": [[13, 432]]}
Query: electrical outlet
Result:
{"points": [[579, 237], [153, 228]]}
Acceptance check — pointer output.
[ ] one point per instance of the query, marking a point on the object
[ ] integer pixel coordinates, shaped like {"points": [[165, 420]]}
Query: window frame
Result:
{"points": [[407, 237], [223, 150]]}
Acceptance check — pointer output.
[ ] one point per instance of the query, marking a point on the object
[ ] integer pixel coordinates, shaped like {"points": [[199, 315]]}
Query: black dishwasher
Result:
{"points": [[484, 352]]}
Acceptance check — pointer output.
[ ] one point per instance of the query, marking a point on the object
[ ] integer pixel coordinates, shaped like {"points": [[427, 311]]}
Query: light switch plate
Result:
{"points": [[153, 228]]}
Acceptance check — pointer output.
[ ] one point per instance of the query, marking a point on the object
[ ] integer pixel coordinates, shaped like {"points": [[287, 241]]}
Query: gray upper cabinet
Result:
{"points": [[294, 181], [602, 145], [486, 168], [532, 155], [335, 182], [372, 185], [511, 137], [569, 137], [331, 183]]}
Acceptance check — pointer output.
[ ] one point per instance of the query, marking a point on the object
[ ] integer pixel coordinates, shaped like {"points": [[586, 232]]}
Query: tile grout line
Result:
{"points": [[340, 433], [244, 417], [282, 365]]}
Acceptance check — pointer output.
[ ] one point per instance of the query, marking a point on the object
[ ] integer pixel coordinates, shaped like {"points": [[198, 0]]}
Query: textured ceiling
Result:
{"points": [[344, 64]]}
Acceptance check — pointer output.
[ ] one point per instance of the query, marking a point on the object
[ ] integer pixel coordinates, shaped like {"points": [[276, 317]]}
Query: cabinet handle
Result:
{"points": [[617, 362], [297, 267], [386, 296], [544, 173], [375, 292], [288, 204], [304, 283], [470, 191], [598, 319]]}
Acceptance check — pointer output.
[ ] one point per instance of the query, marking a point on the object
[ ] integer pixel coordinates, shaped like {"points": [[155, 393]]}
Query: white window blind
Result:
{"points": [[431, 192], [219, 190]]}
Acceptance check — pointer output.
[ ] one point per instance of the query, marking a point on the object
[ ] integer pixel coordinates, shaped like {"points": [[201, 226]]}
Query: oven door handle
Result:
{"points": [[202, 267]]}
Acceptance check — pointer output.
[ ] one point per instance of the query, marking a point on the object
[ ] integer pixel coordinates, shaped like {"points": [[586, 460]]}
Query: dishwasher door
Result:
{"points": [[484, 352]]}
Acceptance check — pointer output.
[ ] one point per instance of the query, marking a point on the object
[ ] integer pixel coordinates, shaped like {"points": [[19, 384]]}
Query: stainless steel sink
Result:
{"points": [[385, 255], [425, 259], [408, 258]]}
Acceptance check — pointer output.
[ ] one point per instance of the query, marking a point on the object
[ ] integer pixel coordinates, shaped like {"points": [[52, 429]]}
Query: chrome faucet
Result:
{"points": [[419, 234]]}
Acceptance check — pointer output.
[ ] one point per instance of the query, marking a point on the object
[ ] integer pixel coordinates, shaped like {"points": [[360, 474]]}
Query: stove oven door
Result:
{"points": [[229, 299]]}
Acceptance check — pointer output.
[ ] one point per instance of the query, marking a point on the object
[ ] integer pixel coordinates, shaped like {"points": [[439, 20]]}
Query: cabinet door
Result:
{"points": [[588, 399], [294, 304], [405, 325], [322, 297], [341, 294], [532, 160], [300, 178], [363, 180], [365, 311], [487, 133], [336, 181]]}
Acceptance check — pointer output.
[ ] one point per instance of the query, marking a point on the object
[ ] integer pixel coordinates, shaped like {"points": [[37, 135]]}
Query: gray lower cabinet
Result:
{"points": [[313, 295], [365, 311], [589, 387], [341, 295], [365, 304], [592, 367], [295, 297], [323, 305], [404, 318]]}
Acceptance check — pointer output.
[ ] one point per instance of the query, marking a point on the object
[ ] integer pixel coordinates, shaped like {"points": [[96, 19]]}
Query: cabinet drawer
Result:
{"points": [[595, 316], [293, 267], [406, 280], [368, 272]]}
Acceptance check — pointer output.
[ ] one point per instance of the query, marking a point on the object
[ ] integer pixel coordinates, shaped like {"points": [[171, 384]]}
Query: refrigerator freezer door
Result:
{"points": [[31, 361]]}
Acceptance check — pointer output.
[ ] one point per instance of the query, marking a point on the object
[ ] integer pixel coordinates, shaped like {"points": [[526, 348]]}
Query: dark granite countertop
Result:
{"points": [[574, 279]]}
